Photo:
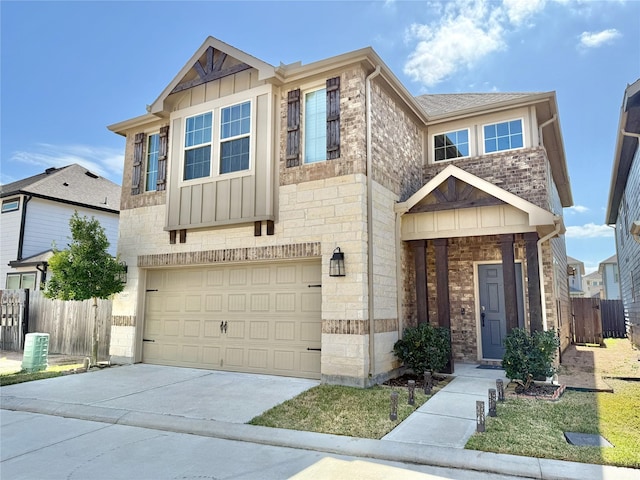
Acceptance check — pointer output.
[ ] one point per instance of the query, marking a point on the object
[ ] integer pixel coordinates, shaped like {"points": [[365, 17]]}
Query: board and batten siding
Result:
{"points": [[239, 197], [48, 222]]}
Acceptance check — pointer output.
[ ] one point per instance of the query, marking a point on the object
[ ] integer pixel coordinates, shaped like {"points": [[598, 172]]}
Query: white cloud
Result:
{"points": [[589, 230], [466, 32], [521, 11], [576, 209], [104, 161], [597, 39]]}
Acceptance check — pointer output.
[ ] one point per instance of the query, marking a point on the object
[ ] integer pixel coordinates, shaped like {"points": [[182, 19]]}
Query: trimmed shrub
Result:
{"points": [[529, 354], [424, 348]]}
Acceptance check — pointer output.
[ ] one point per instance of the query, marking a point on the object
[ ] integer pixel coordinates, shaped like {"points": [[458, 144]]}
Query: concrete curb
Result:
{"points": [[526, 467]]}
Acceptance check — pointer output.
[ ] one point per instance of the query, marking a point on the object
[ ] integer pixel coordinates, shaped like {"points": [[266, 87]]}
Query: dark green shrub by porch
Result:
{"points": [[424, 348], [529, 354]]}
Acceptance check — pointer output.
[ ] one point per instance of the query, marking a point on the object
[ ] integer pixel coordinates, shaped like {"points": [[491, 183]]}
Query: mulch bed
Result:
{"points": [[402, 381], [539, 391]]}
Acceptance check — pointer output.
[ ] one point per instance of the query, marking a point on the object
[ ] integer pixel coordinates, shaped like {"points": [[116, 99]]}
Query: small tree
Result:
{"points": [[424, 348], [85, 270]]}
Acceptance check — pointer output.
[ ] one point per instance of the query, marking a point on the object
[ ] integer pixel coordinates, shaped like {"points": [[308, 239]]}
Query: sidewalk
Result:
{"points": [[217, 404], [448, 419]]}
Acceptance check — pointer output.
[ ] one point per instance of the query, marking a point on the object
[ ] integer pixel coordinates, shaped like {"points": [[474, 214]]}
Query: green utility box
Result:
{"points": [[36, 352]]}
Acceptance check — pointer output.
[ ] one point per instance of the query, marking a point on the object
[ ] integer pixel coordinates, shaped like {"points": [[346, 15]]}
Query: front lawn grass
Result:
{"points": [[535, 428], [339, 410], [23, 376]]}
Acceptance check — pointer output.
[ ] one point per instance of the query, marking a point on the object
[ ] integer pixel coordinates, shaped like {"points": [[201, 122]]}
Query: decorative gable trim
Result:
{"points": [[212, 70]]}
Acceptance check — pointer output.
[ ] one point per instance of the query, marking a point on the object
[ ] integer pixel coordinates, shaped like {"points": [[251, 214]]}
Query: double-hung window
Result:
{"points": [[503, 136], [235, 137], [197, 143], [450, 145], [153, 149], [315, 126]]}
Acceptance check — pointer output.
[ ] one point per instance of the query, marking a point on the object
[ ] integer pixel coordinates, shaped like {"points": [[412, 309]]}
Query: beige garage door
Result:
{"points": [[260, 318]]}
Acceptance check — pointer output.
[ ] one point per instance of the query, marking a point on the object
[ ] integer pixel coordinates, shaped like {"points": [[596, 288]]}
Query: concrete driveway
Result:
{"points": [[152, 389]]}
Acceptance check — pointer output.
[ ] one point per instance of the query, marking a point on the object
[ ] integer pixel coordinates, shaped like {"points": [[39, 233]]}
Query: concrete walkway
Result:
{"points": [[217, 404], [448, 419]]}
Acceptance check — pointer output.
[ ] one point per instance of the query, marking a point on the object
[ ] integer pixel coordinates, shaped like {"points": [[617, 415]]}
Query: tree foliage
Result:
{"points": [[85, 269], [529, 354], [424, 348]]}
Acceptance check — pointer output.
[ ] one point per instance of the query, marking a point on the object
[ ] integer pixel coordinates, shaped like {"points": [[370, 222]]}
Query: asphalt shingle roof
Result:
{"points": [[446, 103], [73, 183]]}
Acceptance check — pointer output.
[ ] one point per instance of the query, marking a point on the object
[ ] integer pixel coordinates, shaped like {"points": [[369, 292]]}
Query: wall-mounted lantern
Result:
{"points": [[336, 264], [122, 274]]}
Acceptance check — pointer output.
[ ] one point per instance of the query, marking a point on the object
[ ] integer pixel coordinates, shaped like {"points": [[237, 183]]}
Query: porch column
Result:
{"points": [[420, 255], [442, 292], [509, 279], [533, 283]]}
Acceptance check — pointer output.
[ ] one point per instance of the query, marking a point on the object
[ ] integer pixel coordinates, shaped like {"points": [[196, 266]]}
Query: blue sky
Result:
{"points": [[69, 69]]}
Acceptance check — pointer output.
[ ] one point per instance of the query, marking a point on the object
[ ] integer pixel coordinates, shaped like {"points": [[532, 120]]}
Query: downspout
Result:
{"points": [[558, 227], [23, 220], [542, 125], [372, 328]]}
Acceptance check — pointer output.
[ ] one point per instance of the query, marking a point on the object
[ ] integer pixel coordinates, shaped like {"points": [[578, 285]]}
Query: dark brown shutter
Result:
{"points": [[293, 128], [162, 158], [333, 118], [138, 154]]}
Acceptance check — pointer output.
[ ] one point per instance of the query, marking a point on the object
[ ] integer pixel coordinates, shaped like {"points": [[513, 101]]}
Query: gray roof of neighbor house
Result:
{"points": [[448, 103], [73, 184], [611, 259]]}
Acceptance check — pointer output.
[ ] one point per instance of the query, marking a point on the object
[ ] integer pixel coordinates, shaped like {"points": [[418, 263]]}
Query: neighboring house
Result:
{"points": [[244, 182], [610, 278], [575, 270], [35, 217], [593, 285], [623, 209]]}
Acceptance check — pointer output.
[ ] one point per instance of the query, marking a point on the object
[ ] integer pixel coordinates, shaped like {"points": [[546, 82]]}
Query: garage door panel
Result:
{"points": [[286, 302], [271, 317]]}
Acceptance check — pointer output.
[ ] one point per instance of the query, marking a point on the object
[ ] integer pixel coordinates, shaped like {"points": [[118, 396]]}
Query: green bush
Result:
{"points": [[529, 354], [424, 348]]}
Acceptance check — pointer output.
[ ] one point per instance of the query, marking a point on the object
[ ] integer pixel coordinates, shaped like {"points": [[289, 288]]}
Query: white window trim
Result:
{"points": [[443, 132], [184, 148], [10, 202], [215, 107], [146, 158], [218, 140], [524, 137], [303, 115]]}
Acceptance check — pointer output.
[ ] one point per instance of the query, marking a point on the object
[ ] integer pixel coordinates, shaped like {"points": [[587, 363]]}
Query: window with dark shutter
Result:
{"points": [[162, 158], [293, 128], [138, 154], [333, 118]]}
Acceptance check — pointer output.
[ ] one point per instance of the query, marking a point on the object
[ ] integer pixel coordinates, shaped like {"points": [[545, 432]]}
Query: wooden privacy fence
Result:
{"points": [[595, 319], [14, 309], [613, 321], [70, 324]]}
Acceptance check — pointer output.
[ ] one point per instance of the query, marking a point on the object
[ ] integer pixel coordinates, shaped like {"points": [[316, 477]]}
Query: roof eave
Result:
{"points": [[121, 128]]}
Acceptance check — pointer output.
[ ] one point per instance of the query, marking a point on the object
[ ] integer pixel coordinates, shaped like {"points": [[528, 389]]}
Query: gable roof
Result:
{"points": [[537, 216], [72, 184], [626, 146], [265, 71]]}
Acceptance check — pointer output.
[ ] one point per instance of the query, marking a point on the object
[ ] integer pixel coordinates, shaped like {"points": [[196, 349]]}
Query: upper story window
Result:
{"points": [[10, 205], [197, 144], [153, 149], [450, 145], [315, 126], [235, 131], [16, 281], [503, 136]]}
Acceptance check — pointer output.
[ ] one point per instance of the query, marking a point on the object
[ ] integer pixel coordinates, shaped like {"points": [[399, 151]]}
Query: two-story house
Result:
{"points": [[593, 285], [35, 218], [293, 220], [623, 209], [575, 270], [608, 269]]}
